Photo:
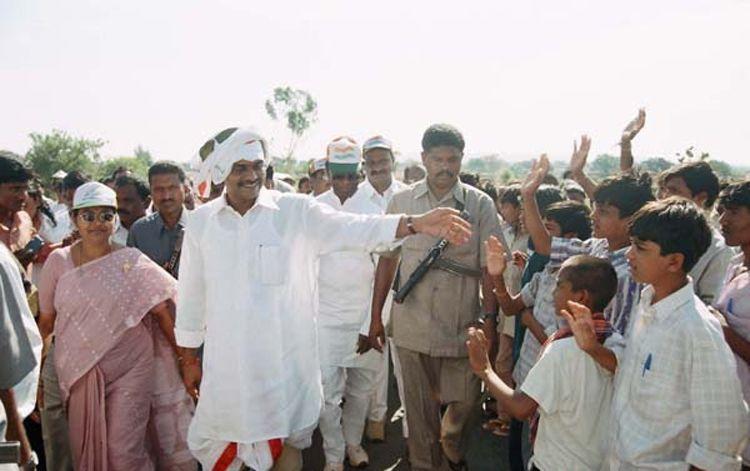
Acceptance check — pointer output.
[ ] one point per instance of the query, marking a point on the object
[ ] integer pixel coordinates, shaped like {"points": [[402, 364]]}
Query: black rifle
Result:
{"points": [[432, 256]]}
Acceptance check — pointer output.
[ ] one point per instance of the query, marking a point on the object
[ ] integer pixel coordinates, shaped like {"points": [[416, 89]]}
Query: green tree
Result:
{"points": [[655, 165], [144, 156], [297, 108], [604, 165], [135, 164], [59, 150], [723, 169]]}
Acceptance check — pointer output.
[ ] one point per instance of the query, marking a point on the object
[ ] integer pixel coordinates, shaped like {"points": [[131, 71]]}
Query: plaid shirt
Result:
{"points": [[678, 399], [628, 291]]}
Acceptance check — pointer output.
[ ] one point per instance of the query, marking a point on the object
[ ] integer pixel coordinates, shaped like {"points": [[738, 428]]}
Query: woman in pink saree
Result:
{"points": [[115, 353]]}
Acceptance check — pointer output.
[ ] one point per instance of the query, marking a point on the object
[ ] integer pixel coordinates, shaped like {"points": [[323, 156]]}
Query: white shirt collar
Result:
{"points": [[663, 309], [265, 200]]}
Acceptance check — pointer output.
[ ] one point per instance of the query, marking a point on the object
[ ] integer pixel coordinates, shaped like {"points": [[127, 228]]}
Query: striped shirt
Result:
{"points": [[619, 311]]}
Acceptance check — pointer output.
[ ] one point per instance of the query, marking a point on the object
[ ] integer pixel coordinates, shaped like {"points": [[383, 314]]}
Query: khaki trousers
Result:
{"points": [[430, 383]]}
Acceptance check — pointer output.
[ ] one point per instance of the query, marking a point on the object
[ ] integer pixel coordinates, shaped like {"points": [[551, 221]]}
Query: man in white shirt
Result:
{"points": [[247, 293], [379, 187], [345, 293]]}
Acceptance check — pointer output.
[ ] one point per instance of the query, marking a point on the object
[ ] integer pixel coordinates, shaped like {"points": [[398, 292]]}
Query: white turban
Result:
{"points": [[224, 151]]}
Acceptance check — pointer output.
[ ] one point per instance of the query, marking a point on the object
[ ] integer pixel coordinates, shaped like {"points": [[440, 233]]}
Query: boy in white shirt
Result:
{"points": [[678, 402], [569, 390]]}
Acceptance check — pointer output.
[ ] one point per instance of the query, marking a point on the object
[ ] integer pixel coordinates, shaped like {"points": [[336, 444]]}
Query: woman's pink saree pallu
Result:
{"points": [[127, 406]]}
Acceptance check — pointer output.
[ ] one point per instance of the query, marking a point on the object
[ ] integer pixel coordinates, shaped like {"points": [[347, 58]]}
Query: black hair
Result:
{"points": [[107, 180], [546, 195], [735, 195], [627, 192], [269, 173], [36, 191], [490, 189], [511, 194], [567, 174], [302, 180], [471, 179], [550, 179], [442, 135], [13, 171], [74, 179], [572, 216], [120, 169], [677, 225], [140, 186], [164, 167], [698, 177], [593, 274]]}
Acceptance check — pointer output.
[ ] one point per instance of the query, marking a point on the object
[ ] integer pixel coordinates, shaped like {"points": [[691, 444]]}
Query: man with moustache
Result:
{"points": [[133, 199], [247, 290], [159, 235], [379, 187], [428, 327]]}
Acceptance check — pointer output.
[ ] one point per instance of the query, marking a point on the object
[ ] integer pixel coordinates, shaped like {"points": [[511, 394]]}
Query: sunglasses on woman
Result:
{"points": [[105, 216]]}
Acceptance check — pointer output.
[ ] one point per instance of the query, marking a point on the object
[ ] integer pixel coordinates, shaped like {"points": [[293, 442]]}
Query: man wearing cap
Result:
{"points": [[428, 327], [247, 291], [319, 177], [379, 187], [345, 294]]}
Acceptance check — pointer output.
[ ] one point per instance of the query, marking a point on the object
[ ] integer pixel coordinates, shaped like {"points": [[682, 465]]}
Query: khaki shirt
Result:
{"points": [[433, 318]]}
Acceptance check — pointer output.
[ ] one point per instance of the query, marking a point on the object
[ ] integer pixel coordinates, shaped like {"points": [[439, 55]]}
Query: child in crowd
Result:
{"points": [[734, 300], [678, 401], [616, 199], [569, 390], [535, 302], [697, 181]]}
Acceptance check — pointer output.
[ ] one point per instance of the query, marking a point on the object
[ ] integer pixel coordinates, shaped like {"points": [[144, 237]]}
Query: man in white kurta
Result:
{"points": [[247, 293], [345, 294], [379, 187]]}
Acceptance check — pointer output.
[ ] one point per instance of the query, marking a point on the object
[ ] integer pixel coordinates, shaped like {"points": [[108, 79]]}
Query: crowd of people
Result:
{"points": [[216, 323]]}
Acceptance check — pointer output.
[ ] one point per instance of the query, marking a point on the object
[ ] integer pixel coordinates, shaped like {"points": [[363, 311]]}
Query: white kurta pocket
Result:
{"points": [[272, 264]]}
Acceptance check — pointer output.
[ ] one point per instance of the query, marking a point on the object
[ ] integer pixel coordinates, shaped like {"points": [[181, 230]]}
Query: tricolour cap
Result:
{"points": [[344, 155]]}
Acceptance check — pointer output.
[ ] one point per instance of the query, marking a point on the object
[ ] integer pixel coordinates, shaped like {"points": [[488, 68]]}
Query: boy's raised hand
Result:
{"points": [[496, 256], [581, 323], [634, 127], [539, 170], [478, 346], [580, 155]]}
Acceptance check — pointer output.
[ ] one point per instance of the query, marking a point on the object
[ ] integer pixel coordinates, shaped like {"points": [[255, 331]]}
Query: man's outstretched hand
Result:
{"points": [[445, 223]]}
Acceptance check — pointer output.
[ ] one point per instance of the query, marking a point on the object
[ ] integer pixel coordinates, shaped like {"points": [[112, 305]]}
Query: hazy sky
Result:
{"points": [[517, 78]]}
